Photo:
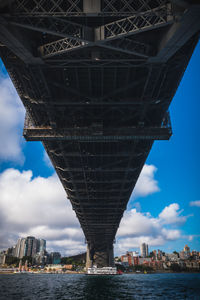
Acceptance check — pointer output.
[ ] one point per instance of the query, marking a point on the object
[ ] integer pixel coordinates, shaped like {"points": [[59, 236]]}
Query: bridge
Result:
{"points": [[96, 78]]}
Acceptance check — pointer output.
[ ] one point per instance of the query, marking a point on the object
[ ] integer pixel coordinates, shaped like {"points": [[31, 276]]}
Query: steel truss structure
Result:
{"points": [[96, 79]]}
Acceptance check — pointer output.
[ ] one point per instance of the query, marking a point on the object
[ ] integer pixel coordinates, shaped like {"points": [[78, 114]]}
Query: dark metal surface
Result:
{"points": [[97, 80]]}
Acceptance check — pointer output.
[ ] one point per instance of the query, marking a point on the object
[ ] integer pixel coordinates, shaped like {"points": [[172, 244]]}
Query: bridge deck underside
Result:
{"points": [[96, 88], [99, 178]]}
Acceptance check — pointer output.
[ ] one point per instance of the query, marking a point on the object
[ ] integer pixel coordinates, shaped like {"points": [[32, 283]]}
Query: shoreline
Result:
{"points": [[83, 273]]}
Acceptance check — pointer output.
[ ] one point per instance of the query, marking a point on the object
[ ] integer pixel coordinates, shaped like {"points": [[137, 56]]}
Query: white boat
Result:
{"points": [[102, 271]]}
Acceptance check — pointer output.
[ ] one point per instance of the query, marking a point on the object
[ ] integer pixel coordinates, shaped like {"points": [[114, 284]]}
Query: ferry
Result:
{"points": [[102, 271]]}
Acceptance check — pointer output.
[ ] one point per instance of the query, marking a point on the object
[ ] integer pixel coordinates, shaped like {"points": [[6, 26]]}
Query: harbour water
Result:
{"points": [[79, 286]]}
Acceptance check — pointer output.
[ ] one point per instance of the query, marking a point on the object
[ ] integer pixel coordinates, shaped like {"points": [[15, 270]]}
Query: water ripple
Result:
{"points": [[81, 287]]}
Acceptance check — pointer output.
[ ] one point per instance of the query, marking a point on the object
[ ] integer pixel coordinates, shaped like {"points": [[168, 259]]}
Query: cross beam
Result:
{"points": [[113, 31]]}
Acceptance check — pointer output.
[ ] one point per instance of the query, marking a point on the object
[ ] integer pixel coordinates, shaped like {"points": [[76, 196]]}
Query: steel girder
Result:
{"points": [[76, 7], [116, 30], [78, 37], [34, 133]]}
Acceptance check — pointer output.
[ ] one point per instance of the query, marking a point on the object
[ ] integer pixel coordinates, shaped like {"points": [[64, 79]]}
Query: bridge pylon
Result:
{"points": [[103, 257]]}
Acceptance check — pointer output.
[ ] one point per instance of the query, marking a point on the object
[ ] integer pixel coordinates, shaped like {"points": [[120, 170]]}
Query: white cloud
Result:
{"points": [[146, 183], [137, 224], [37, 207], [53, 234], [171, 234], [171, 215], [11, 122], [136, 228], [70, 245], [128, 244], [195, 203]]}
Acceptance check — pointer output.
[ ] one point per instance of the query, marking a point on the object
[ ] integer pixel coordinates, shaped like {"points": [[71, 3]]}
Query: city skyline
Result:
{"points": [[30, 246], [162, 212], [30, 255]]}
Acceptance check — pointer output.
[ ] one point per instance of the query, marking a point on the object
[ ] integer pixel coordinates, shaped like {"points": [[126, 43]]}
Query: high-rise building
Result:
{"points": [[144, 250], [35, 247], [29, 246], [42, 245], [10, 251], [22, 248], [17, 248], [186, 249]]}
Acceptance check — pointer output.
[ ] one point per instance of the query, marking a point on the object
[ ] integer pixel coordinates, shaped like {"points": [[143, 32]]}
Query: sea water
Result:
{"points": [[80, 286]]}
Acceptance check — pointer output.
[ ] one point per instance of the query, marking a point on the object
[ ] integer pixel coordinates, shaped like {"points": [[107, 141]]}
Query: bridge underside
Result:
{"points": [[96, 79]]}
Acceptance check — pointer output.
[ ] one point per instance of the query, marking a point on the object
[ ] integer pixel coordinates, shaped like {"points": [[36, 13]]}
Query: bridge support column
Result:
{"points": [[100, 258], [88, 259]]}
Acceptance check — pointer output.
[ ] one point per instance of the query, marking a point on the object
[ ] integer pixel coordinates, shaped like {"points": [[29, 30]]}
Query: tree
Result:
{"points": [[78, 260], [175, 252], [27, 258], [11, 260]]}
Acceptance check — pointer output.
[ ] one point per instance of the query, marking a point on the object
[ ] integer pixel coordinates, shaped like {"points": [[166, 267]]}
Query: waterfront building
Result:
{"points": [[57, 268], [144, 260], [130, 258], [172, 257], [41, 258], [55, 257], [136, 260], [68, 267], [186, 249], [144, 250], [124, 260]]}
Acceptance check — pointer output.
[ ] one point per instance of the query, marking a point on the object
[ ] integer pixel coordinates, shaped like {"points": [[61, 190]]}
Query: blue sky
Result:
{"points": [[164, 209], [178, 160]]}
